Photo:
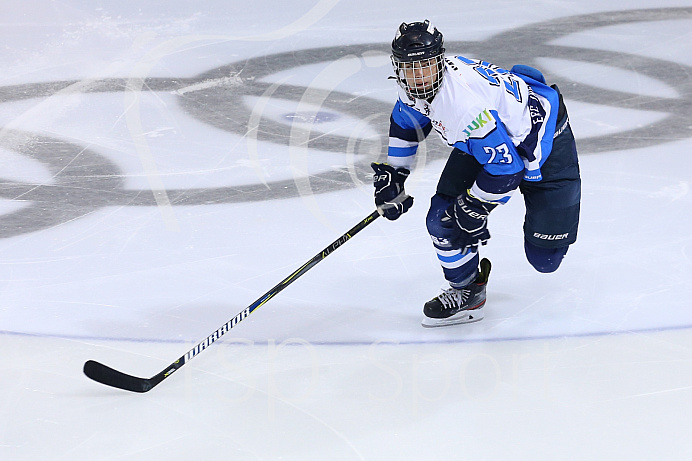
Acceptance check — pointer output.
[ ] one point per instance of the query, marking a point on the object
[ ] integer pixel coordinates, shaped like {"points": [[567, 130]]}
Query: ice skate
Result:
{"points": [[459, 305]]}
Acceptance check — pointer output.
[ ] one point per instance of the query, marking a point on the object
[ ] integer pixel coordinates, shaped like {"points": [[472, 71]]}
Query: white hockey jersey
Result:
{"points": [[485, 111]]}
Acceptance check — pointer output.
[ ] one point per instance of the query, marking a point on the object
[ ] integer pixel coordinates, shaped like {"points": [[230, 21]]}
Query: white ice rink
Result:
{"points": [[166, 163]]}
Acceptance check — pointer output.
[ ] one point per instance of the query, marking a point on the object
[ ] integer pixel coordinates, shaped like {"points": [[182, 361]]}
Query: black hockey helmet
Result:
{"points": [[417, 41], [418, 52]]}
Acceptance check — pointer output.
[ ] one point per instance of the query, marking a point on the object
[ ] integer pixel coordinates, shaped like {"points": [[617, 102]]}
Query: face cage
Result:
{"points": [[425, 76]]}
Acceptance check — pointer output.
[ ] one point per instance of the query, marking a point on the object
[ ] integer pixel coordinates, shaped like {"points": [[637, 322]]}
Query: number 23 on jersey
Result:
{"points": [[499, 154]]}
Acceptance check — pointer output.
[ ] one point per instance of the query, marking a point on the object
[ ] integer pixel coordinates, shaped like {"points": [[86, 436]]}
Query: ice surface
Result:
{"points": [[164, 164]]}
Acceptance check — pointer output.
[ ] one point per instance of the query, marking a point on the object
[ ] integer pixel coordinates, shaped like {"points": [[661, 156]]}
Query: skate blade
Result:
{"points": [[457, 319]]}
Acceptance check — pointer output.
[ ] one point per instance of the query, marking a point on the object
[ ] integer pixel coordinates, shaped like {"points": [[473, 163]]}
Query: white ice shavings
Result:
{"points": [[673, 192], [233, 79]]}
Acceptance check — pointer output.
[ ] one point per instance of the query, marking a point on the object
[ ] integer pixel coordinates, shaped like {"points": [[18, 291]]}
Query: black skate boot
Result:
{"points": [[459, 305]]}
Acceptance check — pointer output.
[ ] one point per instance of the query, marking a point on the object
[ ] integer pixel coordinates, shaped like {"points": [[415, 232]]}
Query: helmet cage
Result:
{"points": [[420, 79]]}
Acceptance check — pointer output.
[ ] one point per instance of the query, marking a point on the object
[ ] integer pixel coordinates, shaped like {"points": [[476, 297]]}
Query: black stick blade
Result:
{"points": [[114, 378]]}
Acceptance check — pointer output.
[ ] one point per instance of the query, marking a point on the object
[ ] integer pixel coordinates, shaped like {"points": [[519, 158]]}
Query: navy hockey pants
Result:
{"points": [[552, 204]]}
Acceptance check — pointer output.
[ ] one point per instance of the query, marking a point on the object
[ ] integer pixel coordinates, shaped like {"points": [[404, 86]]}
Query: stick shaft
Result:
{"points": [[242, 315]]}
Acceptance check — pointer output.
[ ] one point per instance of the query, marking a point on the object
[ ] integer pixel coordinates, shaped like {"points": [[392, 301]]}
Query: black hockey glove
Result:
{"points": [[467, 217], [390, 196]]}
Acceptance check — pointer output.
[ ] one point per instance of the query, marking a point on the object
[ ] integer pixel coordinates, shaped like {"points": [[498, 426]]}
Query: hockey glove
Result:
{"points": [[468, 216], [390, 196]]}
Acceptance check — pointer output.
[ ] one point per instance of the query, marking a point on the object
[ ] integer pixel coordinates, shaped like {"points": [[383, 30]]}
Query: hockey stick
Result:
{"points": [[114, 378]]}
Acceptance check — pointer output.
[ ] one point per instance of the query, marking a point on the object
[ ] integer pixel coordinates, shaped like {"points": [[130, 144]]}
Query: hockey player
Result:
{"points": [[509, 130]]}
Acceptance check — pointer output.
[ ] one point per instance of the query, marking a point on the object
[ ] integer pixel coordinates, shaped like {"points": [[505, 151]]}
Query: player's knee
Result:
{"points": [[544, 260], [438, 205]]}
